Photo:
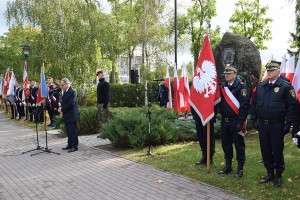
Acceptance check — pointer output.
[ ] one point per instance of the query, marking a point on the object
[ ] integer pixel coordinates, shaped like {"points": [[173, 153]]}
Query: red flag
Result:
{"points": [[184, 91], [6, 82], [290, 68], [296, 81], [205, 92], [168, 84], [26, 91], [176, 94]]}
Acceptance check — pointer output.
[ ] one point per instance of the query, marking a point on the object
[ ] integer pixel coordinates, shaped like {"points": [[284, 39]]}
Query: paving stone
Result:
{"points": [[89, 173]]}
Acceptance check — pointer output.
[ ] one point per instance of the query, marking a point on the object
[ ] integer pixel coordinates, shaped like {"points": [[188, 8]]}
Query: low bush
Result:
{"points": [[130, 127]]}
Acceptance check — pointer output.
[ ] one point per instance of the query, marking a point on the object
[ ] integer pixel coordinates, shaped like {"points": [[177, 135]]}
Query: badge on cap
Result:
{"points": [[276, 89]]}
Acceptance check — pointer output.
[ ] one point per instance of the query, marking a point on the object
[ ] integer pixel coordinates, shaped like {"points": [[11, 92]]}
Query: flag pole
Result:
{"points": [[208, 147]]}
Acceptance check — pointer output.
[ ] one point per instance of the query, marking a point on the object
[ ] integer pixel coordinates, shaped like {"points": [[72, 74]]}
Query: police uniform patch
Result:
{"points": [[276, 89], [244, 92], [292, 92]]}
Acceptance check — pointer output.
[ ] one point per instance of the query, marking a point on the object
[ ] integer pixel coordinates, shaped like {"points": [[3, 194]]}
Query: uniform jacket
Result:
{"points": [[275, 102], [69, 106], [102, 92], [242, 93]]}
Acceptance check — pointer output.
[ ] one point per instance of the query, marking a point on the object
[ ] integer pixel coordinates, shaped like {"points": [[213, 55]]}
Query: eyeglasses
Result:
{"points": [[62, 85]]}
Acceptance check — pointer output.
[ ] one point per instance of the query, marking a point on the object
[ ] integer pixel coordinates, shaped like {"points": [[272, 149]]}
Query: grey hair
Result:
{"points": [[66, 81]]}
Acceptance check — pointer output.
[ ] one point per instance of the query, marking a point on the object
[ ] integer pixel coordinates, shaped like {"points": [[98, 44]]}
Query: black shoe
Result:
{"points": [[72, 149], [201, 162], [239, 173], [267, 179], [225, 170], [278, 181], [66, 148]]}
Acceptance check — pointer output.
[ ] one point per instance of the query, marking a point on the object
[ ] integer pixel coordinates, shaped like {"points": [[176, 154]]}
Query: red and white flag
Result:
{"points": [[205, 91], [176, 93], [296, 80], [283, 67], [168, 84], [26, 91], [6, 83], [290, 68], [184, 90]]}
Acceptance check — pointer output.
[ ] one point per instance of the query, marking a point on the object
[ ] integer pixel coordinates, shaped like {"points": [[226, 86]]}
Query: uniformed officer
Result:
{"points": [[273, 111], [55, 101], [234, 107], [163, 94], [202, 138], [48, 105]]}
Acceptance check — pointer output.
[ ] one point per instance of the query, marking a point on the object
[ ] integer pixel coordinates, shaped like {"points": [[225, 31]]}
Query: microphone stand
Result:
{"points": [[149, 130], [38, 147], [46, 149]]}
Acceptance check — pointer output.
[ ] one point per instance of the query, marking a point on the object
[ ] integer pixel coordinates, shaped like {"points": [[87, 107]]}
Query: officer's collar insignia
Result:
{"points": [[244, 92], [276, 89], [292, 92]]}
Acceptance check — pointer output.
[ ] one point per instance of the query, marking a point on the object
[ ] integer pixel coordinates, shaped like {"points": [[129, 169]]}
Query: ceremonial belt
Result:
{"points": [[230, 99], [271, 121]]}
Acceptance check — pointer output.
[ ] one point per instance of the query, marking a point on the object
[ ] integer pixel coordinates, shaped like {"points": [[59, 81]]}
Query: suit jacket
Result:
{"points": [[69, 106]]}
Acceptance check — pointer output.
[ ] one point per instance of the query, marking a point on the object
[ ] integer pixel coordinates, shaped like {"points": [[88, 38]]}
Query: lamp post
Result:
{"points": [[25, 47]]}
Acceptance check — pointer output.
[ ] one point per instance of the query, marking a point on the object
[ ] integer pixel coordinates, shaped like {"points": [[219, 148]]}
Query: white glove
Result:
{"points": [[295, 140]]}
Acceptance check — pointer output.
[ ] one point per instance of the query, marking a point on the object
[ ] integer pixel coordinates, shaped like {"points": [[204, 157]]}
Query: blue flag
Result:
{"points": [[43, 85]]}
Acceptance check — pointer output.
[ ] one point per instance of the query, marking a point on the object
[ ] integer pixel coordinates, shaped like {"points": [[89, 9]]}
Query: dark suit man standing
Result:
{"points": [[69, 109]]}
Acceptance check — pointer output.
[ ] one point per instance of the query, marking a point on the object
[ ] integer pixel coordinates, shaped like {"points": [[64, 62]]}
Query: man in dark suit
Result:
{"points": [[69, 109]]}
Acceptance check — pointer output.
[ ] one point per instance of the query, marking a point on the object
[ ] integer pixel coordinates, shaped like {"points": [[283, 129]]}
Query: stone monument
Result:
{"points": [[239, 50]]}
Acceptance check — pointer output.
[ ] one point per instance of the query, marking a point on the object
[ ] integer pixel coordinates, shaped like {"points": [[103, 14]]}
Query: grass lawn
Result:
{"points": [[180, 159]]}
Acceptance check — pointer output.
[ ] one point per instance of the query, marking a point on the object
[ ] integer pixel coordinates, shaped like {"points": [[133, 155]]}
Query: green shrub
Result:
{"points": [[88, 123], [129, 127], [123, 95]]}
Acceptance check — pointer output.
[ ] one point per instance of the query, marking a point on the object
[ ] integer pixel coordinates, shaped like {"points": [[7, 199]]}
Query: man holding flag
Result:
{"points": [[204, 93], [234, 107]]}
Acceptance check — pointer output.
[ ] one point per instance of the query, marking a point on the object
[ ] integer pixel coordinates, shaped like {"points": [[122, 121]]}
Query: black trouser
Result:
{"points": [[71, 129], [13, 112], [32, 114], [296, 126], [271, 144], [202, 136], [20, 108], [50, 113], [39, 115], [229, 137]]}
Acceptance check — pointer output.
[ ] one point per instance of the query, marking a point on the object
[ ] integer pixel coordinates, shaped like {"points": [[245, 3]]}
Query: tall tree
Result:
{"points": [[196, 24], [295, 42], [250, 20]]}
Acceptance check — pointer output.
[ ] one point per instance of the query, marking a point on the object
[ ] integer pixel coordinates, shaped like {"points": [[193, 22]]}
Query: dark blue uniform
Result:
{"points": [[163, 95], [232, 124], [273, 111]]}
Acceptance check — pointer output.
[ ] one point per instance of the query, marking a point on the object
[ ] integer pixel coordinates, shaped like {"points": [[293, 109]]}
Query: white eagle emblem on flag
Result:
{"points": [[205, 79]]}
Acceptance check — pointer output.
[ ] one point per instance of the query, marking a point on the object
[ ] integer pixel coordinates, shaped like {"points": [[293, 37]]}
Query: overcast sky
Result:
{"points": [[281, 11]]}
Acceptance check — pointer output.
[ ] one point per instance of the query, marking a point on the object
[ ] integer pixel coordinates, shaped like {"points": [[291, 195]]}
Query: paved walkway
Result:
{"points": [[86, 174]]}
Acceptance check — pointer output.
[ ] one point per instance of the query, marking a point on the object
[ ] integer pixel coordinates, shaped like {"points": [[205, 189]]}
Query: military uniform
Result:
{"points": [[32, 103], [273, 112], [232, 123], [163, 95], [49, 107]]}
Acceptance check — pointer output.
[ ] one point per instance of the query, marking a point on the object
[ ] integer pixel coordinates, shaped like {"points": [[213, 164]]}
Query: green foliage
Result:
{"points": [[129, 127], [124, 95], [250, 20], [295, 42], [88, 123]]}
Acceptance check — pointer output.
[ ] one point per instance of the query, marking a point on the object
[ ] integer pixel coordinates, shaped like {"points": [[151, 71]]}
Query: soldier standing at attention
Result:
{"points": [[273, 112], [234, 107]]}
